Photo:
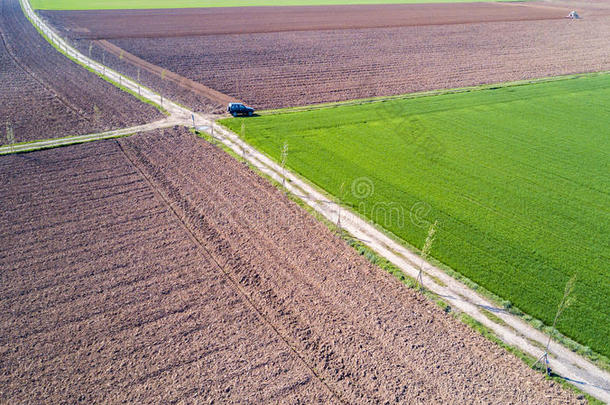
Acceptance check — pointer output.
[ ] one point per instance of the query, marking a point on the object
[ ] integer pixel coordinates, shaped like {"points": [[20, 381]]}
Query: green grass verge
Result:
{"points": [[152, 4], [517, 177]]}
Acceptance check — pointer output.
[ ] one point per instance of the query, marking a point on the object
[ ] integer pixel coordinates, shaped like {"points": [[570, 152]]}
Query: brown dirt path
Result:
{"points": [[547, 399], [302, 68], [275, 57]]}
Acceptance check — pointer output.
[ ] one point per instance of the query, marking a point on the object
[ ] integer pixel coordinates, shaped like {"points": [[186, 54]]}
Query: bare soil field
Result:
{"points": [[299, 68], [22, 97], [45, 95], [113, 24], [281, 69], [158, 269], [106, 298]]}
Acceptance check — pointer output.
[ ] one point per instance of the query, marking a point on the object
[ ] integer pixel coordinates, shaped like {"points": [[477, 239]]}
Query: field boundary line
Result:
{"points": [[219, 4], [515, 332], [157, 191], [429, 93]]}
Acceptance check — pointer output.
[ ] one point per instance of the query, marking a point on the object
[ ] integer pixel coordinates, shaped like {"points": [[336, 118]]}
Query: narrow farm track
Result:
{"points": [[596, 381], [190, 85], [513, 331], [54, 143]]}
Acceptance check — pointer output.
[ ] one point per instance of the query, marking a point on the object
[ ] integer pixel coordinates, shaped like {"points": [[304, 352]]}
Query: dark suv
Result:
{"points": [[236, 109]]}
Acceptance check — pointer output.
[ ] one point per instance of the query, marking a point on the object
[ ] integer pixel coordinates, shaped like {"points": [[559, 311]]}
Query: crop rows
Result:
{"points": [[45, 95], [22, 98], [158, 81]]}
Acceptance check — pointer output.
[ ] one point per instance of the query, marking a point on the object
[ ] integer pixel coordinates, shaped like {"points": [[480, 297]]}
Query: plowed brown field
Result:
{"points": [[158, 269], [108, 24], [342, 53], [45, 95]]}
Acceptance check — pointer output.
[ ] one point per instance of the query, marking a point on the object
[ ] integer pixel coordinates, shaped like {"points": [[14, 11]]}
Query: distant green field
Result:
{"points": [[518, 178], [150, 4]]}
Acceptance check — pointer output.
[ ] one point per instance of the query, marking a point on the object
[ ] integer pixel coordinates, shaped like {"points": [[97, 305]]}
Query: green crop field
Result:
{"points": [[151, 4], [518, 178]]}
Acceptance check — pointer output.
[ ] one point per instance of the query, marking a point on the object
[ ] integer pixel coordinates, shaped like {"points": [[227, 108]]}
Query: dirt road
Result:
{"points": [[71, 140]]}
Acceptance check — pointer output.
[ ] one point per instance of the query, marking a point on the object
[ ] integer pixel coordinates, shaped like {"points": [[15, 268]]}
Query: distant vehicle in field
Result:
{"points": [[236, 109], [573, 15]]}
